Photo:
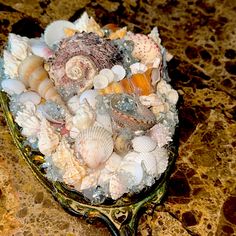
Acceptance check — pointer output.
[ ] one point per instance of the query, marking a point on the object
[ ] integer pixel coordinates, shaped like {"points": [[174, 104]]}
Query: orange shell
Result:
{"points": [[112, 27], [140, 84]]}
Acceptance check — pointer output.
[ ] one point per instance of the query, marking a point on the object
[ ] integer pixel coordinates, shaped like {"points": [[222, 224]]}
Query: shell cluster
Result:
{"points": [[94, 101]]}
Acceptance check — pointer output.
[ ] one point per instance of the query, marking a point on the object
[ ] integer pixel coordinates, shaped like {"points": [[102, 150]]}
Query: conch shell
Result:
{"points": [[33, 75]]}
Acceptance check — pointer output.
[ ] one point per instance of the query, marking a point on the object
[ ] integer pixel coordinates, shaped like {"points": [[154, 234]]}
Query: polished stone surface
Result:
{"points": [[201, 34]]}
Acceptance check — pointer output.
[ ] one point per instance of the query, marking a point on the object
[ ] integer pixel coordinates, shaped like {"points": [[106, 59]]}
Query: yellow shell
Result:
{"points": [[34, 76]]}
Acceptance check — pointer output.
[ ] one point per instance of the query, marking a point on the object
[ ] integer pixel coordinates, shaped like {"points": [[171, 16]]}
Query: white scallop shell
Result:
{"points": [[90, 95], [113, 163], [108, 73], [95, 145], [162, 157], [119, 72], [100, 81], [28, 120], [143, 144], [12, 86], [149, 161], [104, 120], [138, 68], [10, 65], [131, 173], [18, 45], [56, 31], [30, 96], [116, 187], [131, 156], [48, 139]]}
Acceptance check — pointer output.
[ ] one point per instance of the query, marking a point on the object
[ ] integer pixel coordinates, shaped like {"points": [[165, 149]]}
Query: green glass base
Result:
{"points": [[121, 216]]}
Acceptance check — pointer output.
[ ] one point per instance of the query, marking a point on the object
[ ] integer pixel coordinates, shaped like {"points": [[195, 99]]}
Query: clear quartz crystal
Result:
{"points": [[95, 195]]}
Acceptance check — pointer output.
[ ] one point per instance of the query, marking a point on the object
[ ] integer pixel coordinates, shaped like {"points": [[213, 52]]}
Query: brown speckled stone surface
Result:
{"points": [[201, 34]]}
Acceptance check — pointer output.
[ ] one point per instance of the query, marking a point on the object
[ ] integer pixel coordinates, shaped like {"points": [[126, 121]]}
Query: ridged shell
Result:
{"points": [[77, 60], [56, 31], [131, 173], [28, 120], [162, 157], [48, 139], [113, 163], [117, 188], [12, 86], [30, 96], [90, 180], [33, 75], [145, 48], [143, 144], [149, 162], [95, 145]]}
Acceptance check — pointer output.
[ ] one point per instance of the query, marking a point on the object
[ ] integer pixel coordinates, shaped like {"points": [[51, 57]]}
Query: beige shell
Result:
{"points": [[95, 145], [162, 157], [117, 188], [113, 163], [30, 96], [12, 86], [122, 144], [149, 162], [143, 144], [48, 139], [90, 180], [34, 76]]}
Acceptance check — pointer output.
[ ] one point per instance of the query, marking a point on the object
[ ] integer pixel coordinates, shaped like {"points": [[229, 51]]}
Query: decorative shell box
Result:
{"points": [[96, 102]]}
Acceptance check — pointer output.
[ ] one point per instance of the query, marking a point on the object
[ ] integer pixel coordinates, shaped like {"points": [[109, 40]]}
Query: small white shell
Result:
{"points": [[138, 68], [113, 163], [73, 104], [90, 95], [48, 139], [149, 162], [163, 87], [100, 81], [143, 144], [119, 71], [18, 46], [116, 188], [11, 64], [131, 173], [151, 100], [56, 31], [104, 120], [13, 86], [30, 96], [162, 157], [173, 96], [40, 48], [28, 120], [95, 145], [108, 73]]}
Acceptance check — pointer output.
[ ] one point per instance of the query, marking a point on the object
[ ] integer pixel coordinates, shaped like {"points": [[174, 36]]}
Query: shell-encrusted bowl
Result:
{"points": [[95, 123]]}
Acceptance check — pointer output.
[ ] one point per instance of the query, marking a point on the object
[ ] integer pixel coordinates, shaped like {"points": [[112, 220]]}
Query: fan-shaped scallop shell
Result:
{"points": [[145, 48], [78, 59], [128, 112], [143, 144], [33, 75], [95, 145]]}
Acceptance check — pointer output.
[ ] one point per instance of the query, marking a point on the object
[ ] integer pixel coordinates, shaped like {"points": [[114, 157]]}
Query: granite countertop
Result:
{"points": [[201, 34]]}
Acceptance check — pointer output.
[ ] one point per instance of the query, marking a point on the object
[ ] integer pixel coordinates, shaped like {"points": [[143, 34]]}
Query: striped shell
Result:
{"points": [[128, 112], [78, 59], [143, 144], [34, 76], [94, 145]]}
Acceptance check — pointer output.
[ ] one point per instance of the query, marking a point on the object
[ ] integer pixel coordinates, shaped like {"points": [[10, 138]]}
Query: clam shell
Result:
{"points": [[149, 162], [12, 86], [131, 173], [117, 188], [138, 68], [55, 31], [104, 120], [30, 96], [108, 73], [143, 144], [73, 104], [89, 95], [95, 145], [40, 48], [113, 163]]}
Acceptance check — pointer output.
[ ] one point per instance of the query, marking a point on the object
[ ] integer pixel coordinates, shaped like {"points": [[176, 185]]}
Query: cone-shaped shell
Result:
{"points": [[95, 145]]}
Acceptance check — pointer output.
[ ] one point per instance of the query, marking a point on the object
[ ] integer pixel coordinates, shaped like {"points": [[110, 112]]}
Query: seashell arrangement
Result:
{"points": [[95, 102]]}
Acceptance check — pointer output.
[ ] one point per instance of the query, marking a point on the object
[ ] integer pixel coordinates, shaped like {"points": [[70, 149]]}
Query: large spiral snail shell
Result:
{"points": [[78, 59], [34, 76]]}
